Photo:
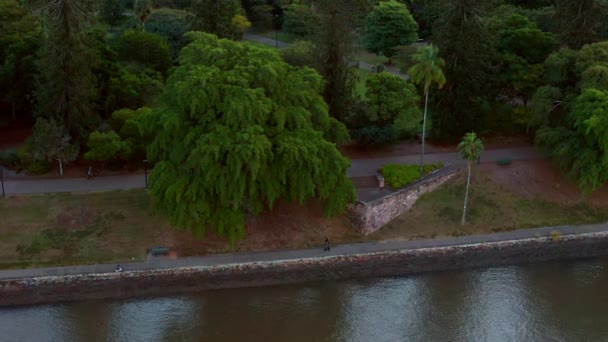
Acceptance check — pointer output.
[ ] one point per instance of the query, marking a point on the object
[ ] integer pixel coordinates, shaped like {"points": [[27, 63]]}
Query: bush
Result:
{"points": [[400, 175], [38, 167], [299, 54], [10, 160], [376, 136]]}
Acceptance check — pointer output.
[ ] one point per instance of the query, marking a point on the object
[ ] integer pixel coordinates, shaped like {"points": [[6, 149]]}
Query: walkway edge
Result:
{"points": [[186, 278]]}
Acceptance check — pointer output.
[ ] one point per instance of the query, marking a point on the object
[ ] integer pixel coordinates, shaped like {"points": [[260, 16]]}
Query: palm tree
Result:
{"points": [[142, 9], [427, 70], [470, 148]]}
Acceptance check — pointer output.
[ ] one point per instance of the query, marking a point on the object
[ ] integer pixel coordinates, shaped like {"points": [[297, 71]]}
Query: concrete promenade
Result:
{"points": [[159, 263]]}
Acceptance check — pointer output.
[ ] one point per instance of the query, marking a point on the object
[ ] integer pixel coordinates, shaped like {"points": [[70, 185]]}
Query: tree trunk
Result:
{"points": [[426, 104], [466, 195], [60, 165]]}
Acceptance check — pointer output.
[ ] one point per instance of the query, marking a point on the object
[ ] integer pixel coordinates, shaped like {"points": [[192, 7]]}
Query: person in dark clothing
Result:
{"points": [[327, 247], [118, 268]]}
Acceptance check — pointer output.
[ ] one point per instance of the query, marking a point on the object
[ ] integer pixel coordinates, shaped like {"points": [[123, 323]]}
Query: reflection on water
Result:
{"points": [[565, 301]]}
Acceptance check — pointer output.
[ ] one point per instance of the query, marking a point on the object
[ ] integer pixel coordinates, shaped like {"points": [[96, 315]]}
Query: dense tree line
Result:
{"points": [[105, 80]]}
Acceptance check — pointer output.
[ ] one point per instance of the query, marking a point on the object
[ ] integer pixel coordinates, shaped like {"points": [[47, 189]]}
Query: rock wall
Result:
{"points": [[368, 217], [388, 263]]}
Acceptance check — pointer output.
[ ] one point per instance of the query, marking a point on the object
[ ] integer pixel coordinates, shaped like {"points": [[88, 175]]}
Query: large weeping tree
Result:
{"points": [[67, 89], [241, 129]]}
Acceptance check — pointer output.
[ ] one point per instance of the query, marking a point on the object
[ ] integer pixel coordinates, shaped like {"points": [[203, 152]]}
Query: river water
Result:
{"points": [[566, 301]]}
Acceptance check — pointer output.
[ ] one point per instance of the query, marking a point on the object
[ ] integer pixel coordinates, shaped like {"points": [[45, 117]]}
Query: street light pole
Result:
{"points": [[146, 172], [2, 181], [276, 30]]}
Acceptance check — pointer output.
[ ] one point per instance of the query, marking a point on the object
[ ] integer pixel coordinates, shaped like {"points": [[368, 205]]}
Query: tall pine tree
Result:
{"points": [[67, 90]]}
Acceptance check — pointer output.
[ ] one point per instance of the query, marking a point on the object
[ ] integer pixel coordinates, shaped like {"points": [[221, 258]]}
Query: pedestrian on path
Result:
{"points": [[327, 247], [118, 268], [90, 174]]}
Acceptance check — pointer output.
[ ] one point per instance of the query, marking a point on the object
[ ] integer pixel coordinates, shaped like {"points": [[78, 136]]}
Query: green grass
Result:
{"points": [[370, 58], [491, 208], [360, 86]]}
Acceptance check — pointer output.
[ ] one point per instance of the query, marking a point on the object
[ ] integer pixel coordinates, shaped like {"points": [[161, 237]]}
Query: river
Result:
{"points": [[565, 301]]}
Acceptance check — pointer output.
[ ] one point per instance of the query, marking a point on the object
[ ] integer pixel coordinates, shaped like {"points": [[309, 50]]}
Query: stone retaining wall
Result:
{"points": [[388, 263], [368, 217]]}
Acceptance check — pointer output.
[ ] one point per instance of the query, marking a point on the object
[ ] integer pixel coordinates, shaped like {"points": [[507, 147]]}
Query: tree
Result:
{"points": [[171, 24], [50, 141], [67, 90], [300, 53], [466, 46], [391, 111], [580, 146], [426, 71], [20, 37], [134, 89], [142, 9], [300, 20], [388, 26], [107, 146], [470, 149], [334, 40], [145, 49], [581, 22], [215, 16], [111, 11], [242, 129]]}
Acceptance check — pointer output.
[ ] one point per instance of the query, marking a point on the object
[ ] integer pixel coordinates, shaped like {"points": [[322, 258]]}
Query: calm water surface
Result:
{"points": [[565, 301]]}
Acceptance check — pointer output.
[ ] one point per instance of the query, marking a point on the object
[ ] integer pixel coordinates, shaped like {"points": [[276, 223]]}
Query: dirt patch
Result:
{"points": [[541, 179]]}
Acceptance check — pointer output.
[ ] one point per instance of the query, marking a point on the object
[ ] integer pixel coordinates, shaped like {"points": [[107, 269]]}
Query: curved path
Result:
{"points": [[19, 185]]}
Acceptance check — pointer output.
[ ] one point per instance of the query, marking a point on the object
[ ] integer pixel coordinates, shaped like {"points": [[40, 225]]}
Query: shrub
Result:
{"points": [[10, 160], [504, 162], [400, 175], [300, 53], [376, 136], [555, 235]]}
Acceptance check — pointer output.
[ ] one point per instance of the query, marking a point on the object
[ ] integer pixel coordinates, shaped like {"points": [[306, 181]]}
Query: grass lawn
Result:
{"points": [[114, 227], [492, 208], [370, 58], [360, 87]]}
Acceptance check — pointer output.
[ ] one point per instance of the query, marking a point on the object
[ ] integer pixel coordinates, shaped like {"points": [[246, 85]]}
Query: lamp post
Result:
{"points": [[2, 181], [146, 172], [276, 30]]}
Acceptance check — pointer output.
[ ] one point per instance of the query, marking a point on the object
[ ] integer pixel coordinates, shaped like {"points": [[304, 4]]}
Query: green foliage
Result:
{"points": [[142, 9], [107, 146], [50, 141], [470, 147], [134, 89], [581, 22], [241, 129], [171, 24], [392, 101], [376, 136], [20, 37], [67, 89], [216, 17], [132, 128], [300, 20], [465, 44], [300, 53], [388, 26], [427, 68], [111, 11], [146, 49], [399, 175]]}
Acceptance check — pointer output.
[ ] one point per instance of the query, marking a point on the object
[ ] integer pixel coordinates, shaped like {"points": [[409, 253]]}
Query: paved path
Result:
{"points": [[369, 167], [361, 64], [18, 185], [352, 249]]}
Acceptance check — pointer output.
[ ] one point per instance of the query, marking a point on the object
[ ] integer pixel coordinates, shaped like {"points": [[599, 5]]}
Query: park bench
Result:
{"points": [[157, 251]]}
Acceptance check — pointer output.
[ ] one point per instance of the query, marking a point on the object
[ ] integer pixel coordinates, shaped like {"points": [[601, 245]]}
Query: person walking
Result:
{"points": [[327, 247], [90, 174]]}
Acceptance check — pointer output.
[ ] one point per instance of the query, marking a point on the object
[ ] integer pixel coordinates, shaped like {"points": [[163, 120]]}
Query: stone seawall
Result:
{"points": [[388, 263], [368, 217]]}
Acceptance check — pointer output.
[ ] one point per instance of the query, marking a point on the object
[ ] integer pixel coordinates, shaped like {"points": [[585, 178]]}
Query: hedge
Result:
{"points": [[400, 175]]}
